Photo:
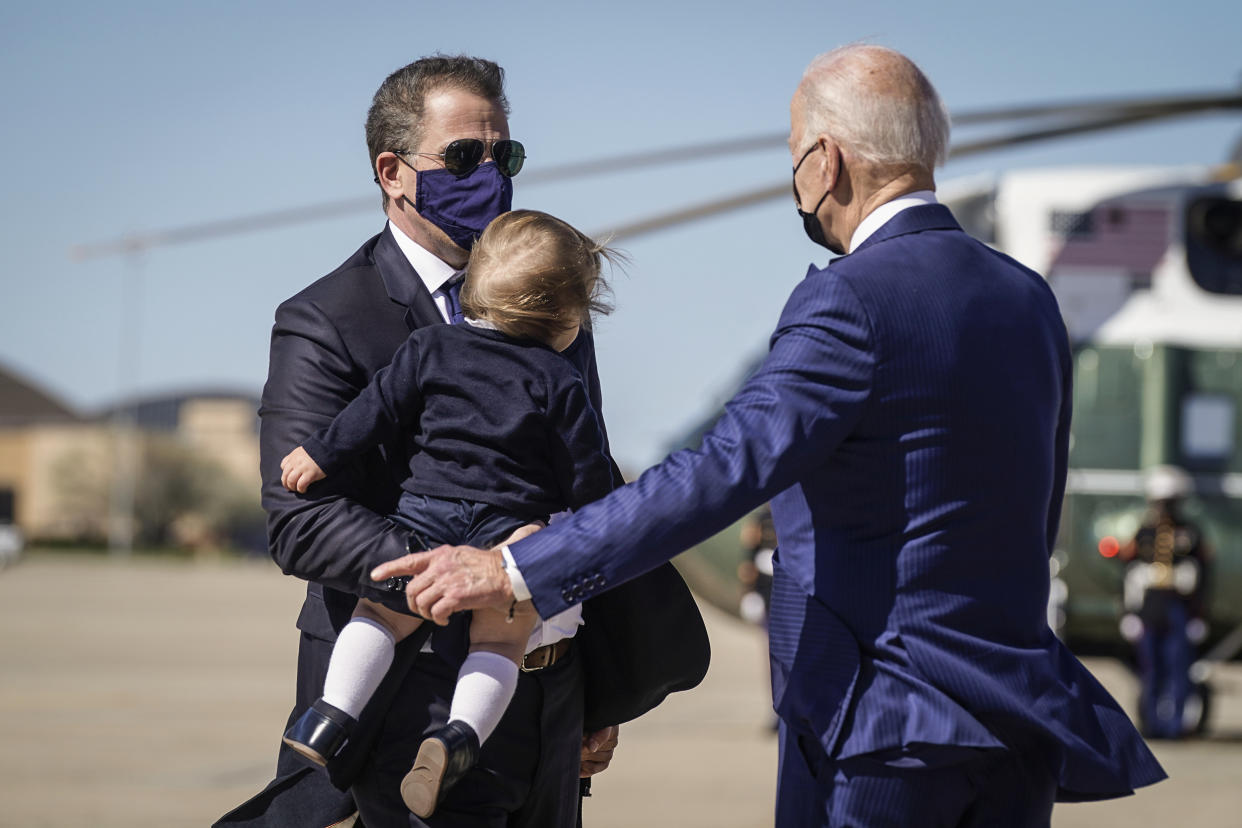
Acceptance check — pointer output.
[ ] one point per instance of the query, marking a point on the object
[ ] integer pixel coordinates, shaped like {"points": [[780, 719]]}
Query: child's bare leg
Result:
{"points": [[493, 631], [398, 623]]}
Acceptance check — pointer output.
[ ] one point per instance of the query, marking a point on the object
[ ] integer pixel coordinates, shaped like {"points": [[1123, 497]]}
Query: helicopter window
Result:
{"points": [[1069, 225], [1214, 244], [1207, 426]]}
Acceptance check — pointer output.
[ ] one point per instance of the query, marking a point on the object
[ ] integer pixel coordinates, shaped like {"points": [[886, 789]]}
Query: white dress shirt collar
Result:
{"points": [[434, 272], [880, 216]]}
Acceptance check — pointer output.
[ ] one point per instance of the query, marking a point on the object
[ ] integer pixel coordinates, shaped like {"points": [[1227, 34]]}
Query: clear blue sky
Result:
{"points": [[125, 117]]}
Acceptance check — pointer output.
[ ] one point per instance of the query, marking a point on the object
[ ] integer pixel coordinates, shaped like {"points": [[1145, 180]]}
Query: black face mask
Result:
{"points": [[810, 221]]}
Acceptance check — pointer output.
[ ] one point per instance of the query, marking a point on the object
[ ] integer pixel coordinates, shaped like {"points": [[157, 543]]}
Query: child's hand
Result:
{"points": [[298, 470]]}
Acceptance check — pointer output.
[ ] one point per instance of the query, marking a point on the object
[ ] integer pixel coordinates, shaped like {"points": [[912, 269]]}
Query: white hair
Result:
{"points": [[879, 104]]}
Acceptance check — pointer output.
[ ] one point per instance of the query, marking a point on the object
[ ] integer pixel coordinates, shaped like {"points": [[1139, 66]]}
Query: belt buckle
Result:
{"points": [[546, 656], [533, 668]]}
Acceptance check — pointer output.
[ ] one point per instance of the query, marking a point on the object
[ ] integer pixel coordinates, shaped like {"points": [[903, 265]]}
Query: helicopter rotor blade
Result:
{"points": [[1174, 105], [1104, 121], [1121, 117], [1092, 116], [272, 220], [695, 212], [704, 151], [254, 223]]}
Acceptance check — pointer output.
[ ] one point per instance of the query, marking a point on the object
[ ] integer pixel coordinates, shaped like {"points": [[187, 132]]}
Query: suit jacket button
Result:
{"points": [[568, 595]]}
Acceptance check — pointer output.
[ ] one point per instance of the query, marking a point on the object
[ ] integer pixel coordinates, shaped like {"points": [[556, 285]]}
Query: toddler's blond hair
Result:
{"points": [[534, 276]]}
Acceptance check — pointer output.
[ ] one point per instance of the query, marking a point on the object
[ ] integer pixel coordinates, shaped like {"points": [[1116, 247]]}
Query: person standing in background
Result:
{"points": [[1165, 601]]}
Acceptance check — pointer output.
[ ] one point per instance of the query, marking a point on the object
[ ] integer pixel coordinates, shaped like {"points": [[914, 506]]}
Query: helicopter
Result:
{"points": [[1146, 263]]}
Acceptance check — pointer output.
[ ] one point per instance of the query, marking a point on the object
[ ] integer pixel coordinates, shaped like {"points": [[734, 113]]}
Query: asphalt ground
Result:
{"points": [[152, 693]]}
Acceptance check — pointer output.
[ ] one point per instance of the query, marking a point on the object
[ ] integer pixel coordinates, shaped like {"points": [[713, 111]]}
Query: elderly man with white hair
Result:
{"points": [[910, 426]]}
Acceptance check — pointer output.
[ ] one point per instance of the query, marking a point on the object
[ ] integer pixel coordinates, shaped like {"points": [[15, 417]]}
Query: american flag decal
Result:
{"points": [[1122, 236]]}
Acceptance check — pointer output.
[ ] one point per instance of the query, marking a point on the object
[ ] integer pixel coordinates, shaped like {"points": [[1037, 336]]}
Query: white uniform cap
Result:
{"points": [[1167, 483]]}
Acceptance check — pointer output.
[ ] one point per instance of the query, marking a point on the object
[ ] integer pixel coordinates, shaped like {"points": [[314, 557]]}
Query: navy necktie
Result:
{"points": [[453, 294]]}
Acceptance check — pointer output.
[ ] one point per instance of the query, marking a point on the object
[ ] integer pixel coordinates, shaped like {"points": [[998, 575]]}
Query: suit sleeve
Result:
{"points": [[391, 400], [584, 471], [325, 535], [787, 419]]}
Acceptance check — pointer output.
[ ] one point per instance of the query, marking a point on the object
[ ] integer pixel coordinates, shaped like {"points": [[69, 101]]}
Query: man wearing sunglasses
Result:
{"points": [[441, 153]]}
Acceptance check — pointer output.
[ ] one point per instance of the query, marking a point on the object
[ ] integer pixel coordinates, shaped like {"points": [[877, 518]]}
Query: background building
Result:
{"points": [[175, 470]]}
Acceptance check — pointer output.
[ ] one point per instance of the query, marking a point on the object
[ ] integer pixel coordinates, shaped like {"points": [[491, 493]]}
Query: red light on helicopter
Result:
{"points": [[1109, 547]]}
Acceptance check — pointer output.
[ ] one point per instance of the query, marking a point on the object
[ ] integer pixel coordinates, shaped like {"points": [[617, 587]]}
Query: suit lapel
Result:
{"points": [[403, 283]]}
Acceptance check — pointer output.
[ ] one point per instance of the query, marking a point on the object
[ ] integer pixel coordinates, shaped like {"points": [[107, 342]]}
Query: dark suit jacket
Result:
{"points": [[911, 425], [327, 343]]}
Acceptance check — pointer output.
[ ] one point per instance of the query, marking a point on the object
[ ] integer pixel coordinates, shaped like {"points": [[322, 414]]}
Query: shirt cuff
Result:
{"points": [[520, 591]]}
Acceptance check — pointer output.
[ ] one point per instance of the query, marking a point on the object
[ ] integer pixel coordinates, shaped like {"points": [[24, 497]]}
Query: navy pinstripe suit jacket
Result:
{"points": [[910, 425]]}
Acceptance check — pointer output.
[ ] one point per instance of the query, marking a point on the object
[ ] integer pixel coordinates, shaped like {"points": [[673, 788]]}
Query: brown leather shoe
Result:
{"points": [[443, 758]]}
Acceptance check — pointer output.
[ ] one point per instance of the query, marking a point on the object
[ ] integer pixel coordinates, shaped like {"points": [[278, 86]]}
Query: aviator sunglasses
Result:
{"points": [[463, 156]]}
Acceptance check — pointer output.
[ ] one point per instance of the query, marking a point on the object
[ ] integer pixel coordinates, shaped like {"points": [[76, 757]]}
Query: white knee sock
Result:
{"points": [[362, 655], [485, 686]]}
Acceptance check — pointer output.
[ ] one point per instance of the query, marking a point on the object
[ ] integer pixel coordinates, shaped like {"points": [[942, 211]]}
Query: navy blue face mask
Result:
{"points": [[462, 206], [810, 221]]}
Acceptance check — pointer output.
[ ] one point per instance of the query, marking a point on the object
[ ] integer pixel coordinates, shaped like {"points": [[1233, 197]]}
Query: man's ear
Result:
{"points": [[832, 161], [387, 174]]}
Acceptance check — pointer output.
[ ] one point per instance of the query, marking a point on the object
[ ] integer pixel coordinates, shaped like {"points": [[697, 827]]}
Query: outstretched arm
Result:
{"points": [[787, 419]]}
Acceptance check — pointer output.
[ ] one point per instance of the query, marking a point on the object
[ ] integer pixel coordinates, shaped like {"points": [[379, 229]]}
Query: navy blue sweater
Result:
{"points": [[488, 418]]}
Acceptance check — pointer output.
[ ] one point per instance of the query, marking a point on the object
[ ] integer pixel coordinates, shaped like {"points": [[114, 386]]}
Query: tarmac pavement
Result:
{"points": [[153, 693]]}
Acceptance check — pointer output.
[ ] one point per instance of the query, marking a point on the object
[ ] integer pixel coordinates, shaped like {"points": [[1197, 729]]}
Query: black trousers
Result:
{"points": [[301, 793], [527, 775]]}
